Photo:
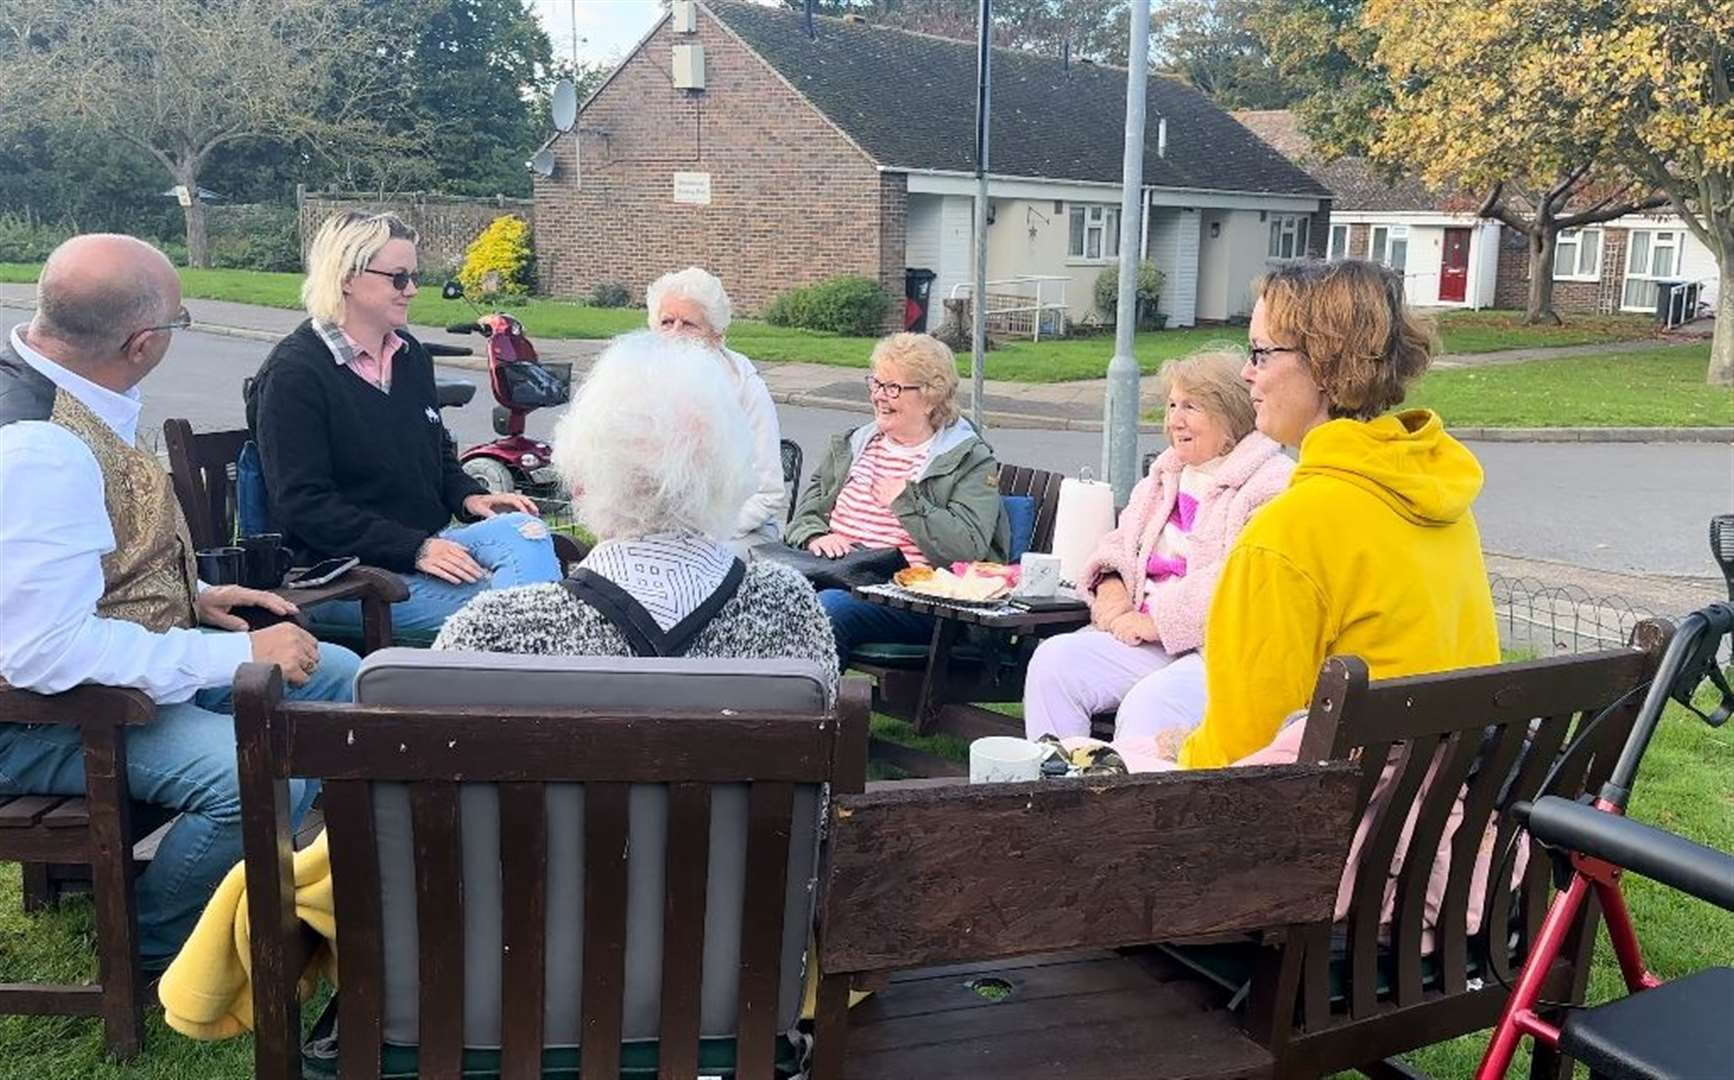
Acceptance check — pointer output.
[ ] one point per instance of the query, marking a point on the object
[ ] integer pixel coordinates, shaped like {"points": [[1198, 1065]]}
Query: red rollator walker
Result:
{"points": [[1682, 1028]]}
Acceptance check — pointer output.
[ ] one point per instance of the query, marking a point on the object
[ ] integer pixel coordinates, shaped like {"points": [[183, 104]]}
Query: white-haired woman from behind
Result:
{"points": [[659, 479], [692, 304]]}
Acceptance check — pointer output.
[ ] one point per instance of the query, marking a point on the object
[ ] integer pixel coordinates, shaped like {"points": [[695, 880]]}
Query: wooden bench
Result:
{"points": [[95, 830], [914, 880], [1024, 888]]}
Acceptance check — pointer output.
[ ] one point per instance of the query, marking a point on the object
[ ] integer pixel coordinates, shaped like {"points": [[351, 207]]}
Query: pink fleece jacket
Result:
{"points": [[1253, 473]]}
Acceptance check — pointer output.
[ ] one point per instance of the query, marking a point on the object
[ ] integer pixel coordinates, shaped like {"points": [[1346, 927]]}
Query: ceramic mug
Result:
{"points": [[1038, 574], [1002, 758]]}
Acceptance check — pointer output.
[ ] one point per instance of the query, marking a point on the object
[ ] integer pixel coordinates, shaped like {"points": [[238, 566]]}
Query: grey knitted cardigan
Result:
{"points": [[774, 615]]}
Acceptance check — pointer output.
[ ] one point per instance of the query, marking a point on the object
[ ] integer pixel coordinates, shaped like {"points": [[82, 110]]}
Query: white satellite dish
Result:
{"points": [[565, 105], [543, 163]]}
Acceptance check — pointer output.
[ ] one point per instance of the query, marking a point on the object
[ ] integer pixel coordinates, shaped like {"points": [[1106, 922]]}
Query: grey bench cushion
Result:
{"points": [[418, 677]]}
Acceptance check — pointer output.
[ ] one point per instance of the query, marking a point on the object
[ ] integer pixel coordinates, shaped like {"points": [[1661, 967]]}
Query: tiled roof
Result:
{"points": [[1358, 186], [908, 100]]}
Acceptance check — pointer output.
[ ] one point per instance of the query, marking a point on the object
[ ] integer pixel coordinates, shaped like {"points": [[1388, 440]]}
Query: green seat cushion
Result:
{"points": [[896, 654]]}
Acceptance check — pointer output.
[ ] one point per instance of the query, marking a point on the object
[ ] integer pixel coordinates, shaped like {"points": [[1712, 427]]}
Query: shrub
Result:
{"points": [[848, 304], [609, 294], [24, 239], [500, 262], [1108, 290], [273, 249]]}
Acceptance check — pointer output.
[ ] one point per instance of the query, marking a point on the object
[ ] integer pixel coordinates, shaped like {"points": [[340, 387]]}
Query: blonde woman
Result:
{"points": [[355, 456], [917, 477], [1150, 581]]}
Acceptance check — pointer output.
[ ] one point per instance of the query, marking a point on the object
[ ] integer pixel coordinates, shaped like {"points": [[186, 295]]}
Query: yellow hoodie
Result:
{"points": [[1371, 552]]}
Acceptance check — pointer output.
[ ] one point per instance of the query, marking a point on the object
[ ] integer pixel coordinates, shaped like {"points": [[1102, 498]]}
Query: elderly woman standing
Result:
{"points": [[917, 478], [692, 304], [1151, 579], [356, 459], [660, 479]]}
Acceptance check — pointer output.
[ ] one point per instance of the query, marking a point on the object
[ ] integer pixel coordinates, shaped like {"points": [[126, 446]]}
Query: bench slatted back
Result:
{"points": [[1085, 862], [1042, 486], [1428, 749], [201, 465], [434, 752]]}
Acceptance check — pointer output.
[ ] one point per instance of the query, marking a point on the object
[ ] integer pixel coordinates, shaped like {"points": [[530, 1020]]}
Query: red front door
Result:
{"points": [[1454, 266]]}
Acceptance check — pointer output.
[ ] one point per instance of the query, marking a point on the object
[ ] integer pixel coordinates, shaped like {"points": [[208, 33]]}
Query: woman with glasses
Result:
{"points": [[1372, 550], [355, 455], [917, 478]]}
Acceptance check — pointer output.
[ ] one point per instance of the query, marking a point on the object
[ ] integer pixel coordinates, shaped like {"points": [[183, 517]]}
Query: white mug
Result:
{"points": [[1000, 758], [1039, 574]]}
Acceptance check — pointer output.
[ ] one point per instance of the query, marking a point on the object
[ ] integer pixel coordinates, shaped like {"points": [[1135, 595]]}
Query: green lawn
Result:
{"points": [[1023, 361], [1687, 786], [1661, 387]]}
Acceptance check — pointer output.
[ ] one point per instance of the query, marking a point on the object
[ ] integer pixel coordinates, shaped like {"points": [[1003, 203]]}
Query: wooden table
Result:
{"points": [[951, 687], [376, 589]]}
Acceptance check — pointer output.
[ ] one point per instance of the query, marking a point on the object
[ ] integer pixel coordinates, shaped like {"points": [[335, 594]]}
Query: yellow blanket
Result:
{"points": [[207, 992]]}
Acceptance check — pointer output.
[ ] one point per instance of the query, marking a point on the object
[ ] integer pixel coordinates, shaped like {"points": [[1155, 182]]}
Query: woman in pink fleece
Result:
{"points": [[1151, 579]]}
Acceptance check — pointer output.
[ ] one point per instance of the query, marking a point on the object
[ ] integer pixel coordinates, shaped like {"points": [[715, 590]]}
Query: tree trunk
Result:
{"points": [[1721, 371], [1541, 237], [198, 244]]}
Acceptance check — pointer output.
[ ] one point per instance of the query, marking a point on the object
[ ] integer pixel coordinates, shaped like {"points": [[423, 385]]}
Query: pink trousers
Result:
{"points": [[1087, 671]]}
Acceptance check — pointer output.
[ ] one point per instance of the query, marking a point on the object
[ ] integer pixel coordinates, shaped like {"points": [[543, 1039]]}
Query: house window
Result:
{"points": [[1577, 255], [1339, 242], [1390, 245], [1288, 236], [1652, 255], [1095, 232]]}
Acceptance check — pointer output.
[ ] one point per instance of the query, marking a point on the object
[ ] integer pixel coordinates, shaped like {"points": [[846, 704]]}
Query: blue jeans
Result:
{"points": [[856, 622], [185, 761], [515, 549]]}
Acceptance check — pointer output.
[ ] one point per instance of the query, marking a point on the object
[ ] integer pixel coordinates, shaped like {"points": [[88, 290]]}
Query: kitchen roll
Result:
{"points": [[1084, 516]]}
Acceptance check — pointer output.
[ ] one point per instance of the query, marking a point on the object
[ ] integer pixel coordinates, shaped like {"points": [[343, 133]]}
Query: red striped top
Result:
{"points": [[861, 518]]}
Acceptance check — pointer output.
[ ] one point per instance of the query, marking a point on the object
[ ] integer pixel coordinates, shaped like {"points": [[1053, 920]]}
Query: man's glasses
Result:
{"points": [[401, 280], [890, 389], [183, 319]]}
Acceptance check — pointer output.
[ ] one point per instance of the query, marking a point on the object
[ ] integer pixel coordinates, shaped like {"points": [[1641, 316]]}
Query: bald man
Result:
{"points": [[97, 577]]}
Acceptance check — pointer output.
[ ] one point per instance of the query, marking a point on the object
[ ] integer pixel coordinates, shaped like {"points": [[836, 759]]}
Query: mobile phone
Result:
{"points": [[306, 577]]}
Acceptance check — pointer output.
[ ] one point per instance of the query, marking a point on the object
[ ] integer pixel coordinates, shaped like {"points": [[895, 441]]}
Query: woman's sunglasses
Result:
{"points": [[401, 280]]}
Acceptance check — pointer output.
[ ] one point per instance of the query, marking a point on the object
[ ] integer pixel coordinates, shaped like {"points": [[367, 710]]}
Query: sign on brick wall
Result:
{"points": [[692, 187]]}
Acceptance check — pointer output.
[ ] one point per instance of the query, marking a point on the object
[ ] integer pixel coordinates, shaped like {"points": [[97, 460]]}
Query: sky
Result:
{"points": [[606, 28]]}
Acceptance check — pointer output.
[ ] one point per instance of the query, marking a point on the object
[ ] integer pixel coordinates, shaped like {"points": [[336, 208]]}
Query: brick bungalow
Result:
{"points": [[730, 139], [1451, 258]]}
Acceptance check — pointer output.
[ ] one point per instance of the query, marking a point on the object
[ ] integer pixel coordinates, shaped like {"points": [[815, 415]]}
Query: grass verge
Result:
{"points": [[1661, 387]]}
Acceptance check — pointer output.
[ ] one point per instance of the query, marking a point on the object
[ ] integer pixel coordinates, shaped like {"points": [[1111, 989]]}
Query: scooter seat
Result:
{"points": [[453, 392], [1679, 1031]]}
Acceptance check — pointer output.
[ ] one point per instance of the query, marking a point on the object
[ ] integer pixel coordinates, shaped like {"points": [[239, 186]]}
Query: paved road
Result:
{"points": [[1619, 507]]}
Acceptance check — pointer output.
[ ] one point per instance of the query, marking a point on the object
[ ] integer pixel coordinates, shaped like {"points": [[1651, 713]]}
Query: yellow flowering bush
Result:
{"points": [[500, 261]]}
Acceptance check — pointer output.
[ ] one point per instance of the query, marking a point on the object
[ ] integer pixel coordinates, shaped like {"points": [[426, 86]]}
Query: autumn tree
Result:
{"points": [[180, 79], [1614, 107]]}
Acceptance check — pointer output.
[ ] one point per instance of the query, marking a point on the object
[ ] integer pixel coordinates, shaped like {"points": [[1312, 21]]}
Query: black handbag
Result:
{"points": [[862, 566]]}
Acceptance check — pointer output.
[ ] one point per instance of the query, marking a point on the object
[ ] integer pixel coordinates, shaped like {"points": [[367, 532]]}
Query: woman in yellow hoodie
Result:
{"points": [[1372, 550]]}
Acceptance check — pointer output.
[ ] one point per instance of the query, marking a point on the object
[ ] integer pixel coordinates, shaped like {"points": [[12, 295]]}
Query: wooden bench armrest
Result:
{"points": [[82, 706], [357, 584]]}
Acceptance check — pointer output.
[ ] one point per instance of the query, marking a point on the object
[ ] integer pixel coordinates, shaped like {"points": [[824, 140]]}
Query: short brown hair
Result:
{"points": [[1361, 340], [1212, 374], [928, 361]]}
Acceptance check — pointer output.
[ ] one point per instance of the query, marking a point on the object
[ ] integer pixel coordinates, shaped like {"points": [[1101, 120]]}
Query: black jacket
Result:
{"points": [[350, 470]]}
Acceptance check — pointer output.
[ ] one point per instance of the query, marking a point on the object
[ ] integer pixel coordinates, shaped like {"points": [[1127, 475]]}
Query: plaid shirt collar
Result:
{"points": [[342, 350]]}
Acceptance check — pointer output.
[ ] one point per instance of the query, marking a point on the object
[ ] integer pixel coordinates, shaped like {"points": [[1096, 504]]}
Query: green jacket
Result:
{"points": [[952, 510]]}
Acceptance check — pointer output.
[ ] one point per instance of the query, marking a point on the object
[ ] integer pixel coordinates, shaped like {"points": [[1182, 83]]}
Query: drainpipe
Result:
{"points": [[1120, 407]]}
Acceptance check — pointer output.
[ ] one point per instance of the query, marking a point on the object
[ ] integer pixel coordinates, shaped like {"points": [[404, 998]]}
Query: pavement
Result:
{"points": [[1065, 406]]}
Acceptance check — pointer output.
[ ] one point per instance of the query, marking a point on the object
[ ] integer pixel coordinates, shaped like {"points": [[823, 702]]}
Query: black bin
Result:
{"points": [[1676, 301], [917, 289]]}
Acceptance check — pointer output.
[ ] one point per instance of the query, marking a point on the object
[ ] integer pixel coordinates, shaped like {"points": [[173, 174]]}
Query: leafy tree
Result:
{"points": [[179, 79], [1212, 43], [1618, 101]]}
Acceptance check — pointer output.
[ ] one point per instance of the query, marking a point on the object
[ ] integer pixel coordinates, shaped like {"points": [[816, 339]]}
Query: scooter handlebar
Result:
{"points": [[436, 349], [465, 328]]}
